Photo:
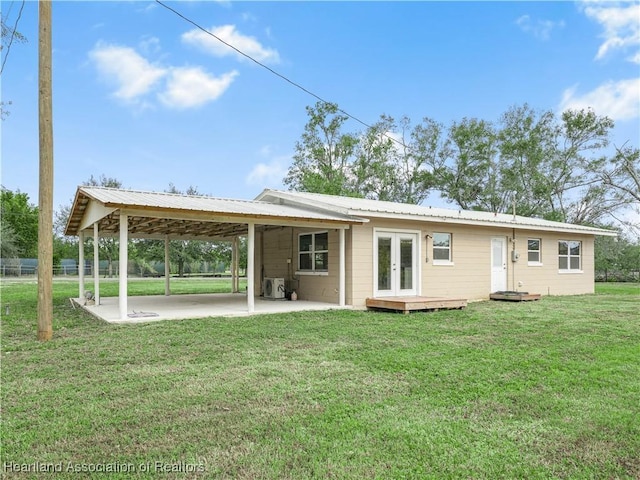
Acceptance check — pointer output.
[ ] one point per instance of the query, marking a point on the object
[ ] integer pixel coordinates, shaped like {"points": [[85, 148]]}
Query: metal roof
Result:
{"points": [[155, 214], [363, 207]]}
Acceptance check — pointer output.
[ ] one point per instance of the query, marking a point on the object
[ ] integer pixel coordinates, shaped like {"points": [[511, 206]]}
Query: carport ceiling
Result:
{"points": [[153, 227]]}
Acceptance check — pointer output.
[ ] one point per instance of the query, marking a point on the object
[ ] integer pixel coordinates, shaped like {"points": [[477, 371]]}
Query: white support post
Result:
{"points": [[251, 236], [235, 284], [81, 264], [167, 270], [96, 264], [341, 287], [124, 253]]}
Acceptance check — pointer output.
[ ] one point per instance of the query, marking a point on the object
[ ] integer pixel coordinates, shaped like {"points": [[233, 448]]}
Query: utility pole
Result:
{"points": [[45, 201]]}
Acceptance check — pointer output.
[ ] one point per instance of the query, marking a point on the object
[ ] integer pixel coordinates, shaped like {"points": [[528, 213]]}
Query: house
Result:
{"points": [[343, 250], [404, 250]]}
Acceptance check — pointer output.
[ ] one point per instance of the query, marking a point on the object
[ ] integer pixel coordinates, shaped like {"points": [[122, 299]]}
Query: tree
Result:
{"points": [[19, 216], [183, 252], [108, 247], [546, 165], [623, 173], [9, 242], [471, 178], [395, 162], [323, 156], [578, 196], [527, 141], [390, 161]]}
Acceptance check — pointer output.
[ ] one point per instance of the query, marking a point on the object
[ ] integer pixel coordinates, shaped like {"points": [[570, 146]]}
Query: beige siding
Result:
{"points": [[281, 244], [469, 275], [546, 278]]}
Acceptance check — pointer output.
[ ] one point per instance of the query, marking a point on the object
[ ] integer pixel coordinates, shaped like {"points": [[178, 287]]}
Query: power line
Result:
{"points": [[13, 34], [297, 85]]}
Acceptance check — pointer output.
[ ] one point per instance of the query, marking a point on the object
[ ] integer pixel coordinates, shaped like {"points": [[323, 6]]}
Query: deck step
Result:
{"points": [[411, 304], [515, 296]]}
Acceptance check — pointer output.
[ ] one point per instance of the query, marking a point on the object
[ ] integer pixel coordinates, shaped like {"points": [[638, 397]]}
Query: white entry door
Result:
{"points": [[498, 264], [395, 264]]}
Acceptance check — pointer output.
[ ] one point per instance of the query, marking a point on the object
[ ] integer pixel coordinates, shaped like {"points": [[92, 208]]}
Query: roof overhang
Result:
{"points": [[158, 215]]}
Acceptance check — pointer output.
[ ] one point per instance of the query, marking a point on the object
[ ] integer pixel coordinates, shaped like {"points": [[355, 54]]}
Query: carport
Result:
{"points": [[127, 214]]}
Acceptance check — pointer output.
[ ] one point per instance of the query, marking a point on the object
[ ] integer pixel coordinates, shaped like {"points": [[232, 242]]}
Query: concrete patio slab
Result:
{"points": [[176, 307]]}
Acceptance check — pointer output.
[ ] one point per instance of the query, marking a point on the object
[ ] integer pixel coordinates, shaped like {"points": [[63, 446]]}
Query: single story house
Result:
{"points": [[344, 250]]}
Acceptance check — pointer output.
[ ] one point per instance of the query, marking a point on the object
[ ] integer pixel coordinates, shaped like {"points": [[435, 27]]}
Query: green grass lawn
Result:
{"points": [[547, 389]]}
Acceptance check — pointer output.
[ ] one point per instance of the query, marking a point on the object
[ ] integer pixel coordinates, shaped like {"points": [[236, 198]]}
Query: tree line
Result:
{"points": [[548, 166]]}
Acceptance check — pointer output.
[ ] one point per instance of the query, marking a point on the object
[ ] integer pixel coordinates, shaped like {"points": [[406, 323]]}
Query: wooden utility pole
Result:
{"points": [[45, 203]]}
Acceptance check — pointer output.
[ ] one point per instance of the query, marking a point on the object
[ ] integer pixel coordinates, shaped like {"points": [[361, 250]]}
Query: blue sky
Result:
{"points": [[143, 96]]}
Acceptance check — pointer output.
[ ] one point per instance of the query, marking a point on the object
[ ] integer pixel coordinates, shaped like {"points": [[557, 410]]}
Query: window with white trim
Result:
{"points": [[533, 251], [313, 252], [569, 256], [441, 248]]}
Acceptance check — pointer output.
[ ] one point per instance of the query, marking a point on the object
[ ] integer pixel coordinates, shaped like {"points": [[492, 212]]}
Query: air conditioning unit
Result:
{"points": [[274, 288]]}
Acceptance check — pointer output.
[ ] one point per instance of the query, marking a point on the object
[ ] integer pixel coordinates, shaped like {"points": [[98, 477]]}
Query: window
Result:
{"points": [[313, 252], [533, 251], [441, 248], [569, 256]]}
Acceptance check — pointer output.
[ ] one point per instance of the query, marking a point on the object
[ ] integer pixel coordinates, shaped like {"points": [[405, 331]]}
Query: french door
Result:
{"points": [[395, 264]]}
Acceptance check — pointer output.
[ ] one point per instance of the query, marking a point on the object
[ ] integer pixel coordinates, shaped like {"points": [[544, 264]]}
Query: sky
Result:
{"points": [[144, 96]]}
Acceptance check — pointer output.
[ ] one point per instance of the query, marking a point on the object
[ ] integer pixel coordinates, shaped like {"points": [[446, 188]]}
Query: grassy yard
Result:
{"points": [[547, 389]]}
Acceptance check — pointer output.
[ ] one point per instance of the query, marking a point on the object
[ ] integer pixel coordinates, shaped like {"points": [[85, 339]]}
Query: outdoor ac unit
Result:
{"points": [[274, 288]]}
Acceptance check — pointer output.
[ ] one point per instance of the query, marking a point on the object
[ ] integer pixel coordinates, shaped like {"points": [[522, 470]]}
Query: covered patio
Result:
{"points": [[153, 308], [126, 214]]}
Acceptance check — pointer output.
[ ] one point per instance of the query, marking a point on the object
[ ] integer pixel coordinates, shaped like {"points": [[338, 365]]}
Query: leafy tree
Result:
{"points": [[526, 145], [617, 258], [324, 154], [622, 174], [578, 196], [546, 165], [390, 161], [184, 252], [471, 178], [8, 242], [395, 162], [63, 246], [20, 217]]}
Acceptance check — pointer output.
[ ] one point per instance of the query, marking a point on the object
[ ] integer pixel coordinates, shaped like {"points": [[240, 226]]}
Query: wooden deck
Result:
{"points": [[515, 296], [412, 304]]}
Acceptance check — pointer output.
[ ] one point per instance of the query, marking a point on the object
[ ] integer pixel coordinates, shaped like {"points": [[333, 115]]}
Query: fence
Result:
{"points": [[28, 267]]}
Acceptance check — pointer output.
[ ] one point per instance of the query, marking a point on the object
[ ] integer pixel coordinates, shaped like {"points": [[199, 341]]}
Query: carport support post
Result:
{"points": [[124, 238], [167, 270], [234, 266], [96, 265], [81, 264], [341, 284], [251, 237]]}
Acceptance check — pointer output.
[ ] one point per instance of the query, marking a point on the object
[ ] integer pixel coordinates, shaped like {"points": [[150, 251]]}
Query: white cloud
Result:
{"points": [[149, 45], [621, 24], [618, 100], [132, 74], [270, 174], [189, 87], [230, 35], [541, 29]]}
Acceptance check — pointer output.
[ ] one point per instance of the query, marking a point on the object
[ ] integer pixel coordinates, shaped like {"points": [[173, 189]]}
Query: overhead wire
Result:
{"points": [[13, 34], [295, 84]]}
